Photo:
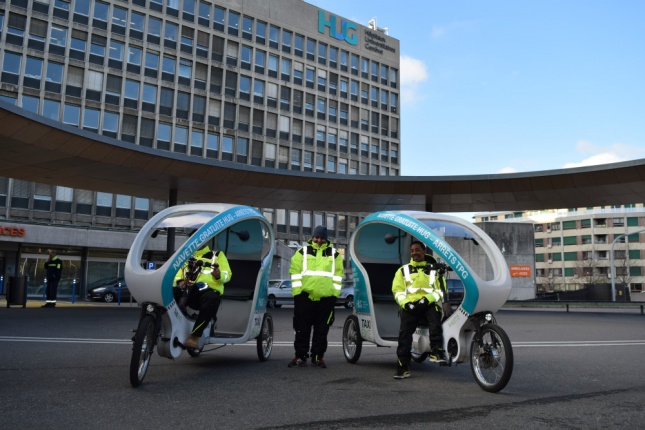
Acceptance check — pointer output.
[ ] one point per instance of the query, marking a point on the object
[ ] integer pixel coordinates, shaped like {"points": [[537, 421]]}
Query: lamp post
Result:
{"points": [[611, 262]]}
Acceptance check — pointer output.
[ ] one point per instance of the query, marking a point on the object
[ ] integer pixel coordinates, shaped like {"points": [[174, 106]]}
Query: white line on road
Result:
{"points": [[331, 344]]}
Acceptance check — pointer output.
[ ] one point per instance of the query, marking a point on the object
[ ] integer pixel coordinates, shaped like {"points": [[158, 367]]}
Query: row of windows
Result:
{"points": [[174, 37], [598, 239], [196, 142], [585, 272], [68, 200], [185, 72], [144, 96], [60, 199], [588, 223], [218, 18], [632, 254]]}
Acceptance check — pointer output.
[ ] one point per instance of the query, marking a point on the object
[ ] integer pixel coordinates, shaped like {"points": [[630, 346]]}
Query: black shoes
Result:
{"points": [[402, 373], [437, 355], [319, 363], [297, 362]]}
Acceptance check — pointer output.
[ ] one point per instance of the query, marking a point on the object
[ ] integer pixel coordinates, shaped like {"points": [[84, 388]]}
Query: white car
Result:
{"points": [[346, 297], [279, 293]]}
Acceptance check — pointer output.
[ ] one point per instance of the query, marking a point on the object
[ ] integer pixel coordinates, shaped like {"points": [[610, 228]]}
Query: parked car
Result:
{"points": [[346, 297], [109, 291], [455, 292], [279, 293]]}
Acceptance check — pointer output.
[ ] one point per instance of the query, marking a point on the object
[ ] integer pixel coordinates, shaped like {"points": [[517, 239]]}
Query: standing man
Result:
{"points": [[54, 268], [419, 289], [316, 278]]}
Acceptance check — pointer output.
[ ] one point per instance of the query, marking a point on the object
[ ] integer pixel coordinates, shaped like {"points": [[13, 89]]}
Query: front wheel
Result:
{"points": [[352, 340], [109, 297], [265, 338], [142, 347], [491, 358]]}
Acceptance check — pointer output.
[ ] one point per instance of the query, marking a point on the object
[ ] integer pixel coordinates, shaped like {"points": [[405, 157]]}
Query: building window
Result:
{"points": [[110, 124], [103, 204]]}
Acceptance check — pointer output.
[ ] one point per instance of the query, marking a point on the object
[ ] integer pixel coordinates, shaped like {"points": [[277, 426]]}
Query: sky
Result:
{"points": [[506, 86]]}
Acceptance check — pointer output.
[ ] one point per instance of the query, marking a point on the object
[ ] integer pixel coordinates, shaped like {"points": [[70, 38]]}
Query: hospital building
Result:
{"points": [[279, 84]]}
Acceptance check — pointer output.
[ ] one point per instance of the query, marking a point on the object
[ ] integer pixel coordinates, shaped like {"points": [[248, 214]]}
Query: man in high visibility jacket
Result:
{"points": [[316, 279], [420, 290], [54, 269], [206, 272]]}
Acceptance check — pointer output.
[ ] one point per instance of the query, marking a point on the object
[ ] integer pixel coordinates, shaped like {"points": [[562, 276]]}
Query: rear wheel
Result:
{"points": [[142, 347], [418, 357], [349, 302], [265, 338], [352, 340], [491, 358]]}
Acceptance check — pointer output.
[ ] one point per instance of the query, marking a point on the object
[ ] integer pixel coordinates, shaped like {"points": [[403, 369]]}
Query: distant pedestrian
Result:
{"points": [[54, 268]]}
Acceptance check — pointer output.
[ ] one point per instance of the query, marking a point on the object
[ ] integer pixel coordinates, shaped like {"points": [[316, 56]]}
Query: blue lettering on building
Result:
{"points": [[347, 29]]}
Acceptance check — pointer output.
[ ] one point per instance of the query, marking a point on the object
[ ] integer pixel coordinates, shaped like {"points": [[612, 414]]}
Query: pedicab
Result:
{"points": [[380, 245], [247, 240]]}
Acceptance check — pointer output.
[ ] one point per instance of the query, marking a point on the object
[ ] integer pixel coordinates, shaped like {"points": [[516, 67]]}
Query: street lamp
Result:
{"points": [[611, 262]]}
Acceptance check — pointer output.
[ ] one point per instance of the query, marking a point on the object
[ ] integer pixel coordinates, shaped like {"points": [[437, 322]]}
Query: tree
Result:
{"points": [[588, 271]]}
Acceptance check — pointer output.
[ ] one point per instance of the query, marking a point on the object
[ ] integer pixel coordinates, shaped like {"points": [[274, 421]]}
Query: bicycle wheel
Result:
{"points": [[142, 347], [491, 358], [352, 340], [265, 338], [417, 356]]}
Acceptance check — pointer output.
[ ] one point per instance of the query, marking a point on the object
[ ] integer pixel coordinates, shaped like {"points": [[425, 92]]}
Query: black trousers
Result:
{"points": [[410, 320], [308, 314], [207, 301], [52, 289]]}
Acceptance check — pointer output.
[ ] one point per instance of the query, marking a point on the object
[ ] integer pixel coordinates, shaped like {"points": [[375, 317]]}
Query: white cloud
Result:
{"points": [[614, 153], [507, 170], [413, 74]]}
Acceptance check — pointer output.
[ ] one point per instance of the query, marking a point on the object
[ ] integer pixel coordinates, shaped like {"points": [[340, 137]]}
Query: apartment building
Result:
{"points": [[574, 246]]}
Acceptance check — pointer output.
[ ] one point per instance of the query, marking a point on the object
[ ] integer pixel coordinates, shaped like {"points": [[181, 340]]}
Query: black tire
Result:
{"points": [[265, 338], [419, 357], [143, 344], [352, 340], [271, 302], [109, 297], [349, 302], [491, 358]]}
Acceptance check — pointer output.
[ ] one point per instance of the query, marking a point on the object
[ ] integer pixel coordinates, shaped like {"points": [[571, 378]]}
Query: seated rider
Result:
{"points": [[419, 288], [181, 294], [205, 274]]}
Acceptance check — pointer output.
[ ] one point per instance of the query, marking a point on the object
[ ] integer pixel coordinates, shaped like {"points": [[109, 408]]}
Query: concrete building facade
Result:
{"points": [[276, 84]]}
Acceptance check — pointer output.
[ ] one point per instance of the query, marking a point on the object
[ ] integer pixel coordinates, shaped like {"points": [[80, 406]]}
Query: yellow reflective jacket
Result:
{"points": [[205, 275], [320, 274], [411, 284]]}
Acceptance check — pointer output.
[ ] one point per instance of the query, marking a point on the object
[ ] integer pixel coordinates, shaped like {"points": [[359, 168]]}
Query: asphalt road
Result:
{"points": [[68, 368]]}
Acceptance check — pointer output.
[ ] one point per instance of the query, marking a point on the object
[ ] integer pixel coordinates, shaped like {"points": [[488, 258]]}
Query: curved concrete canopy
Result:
{"points": [[38, 149]]}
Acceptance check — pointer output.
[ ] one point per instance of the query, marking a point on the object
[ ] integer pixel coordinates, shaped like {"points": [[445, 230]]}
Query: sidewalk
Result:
{"points": [[37, 303]]}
